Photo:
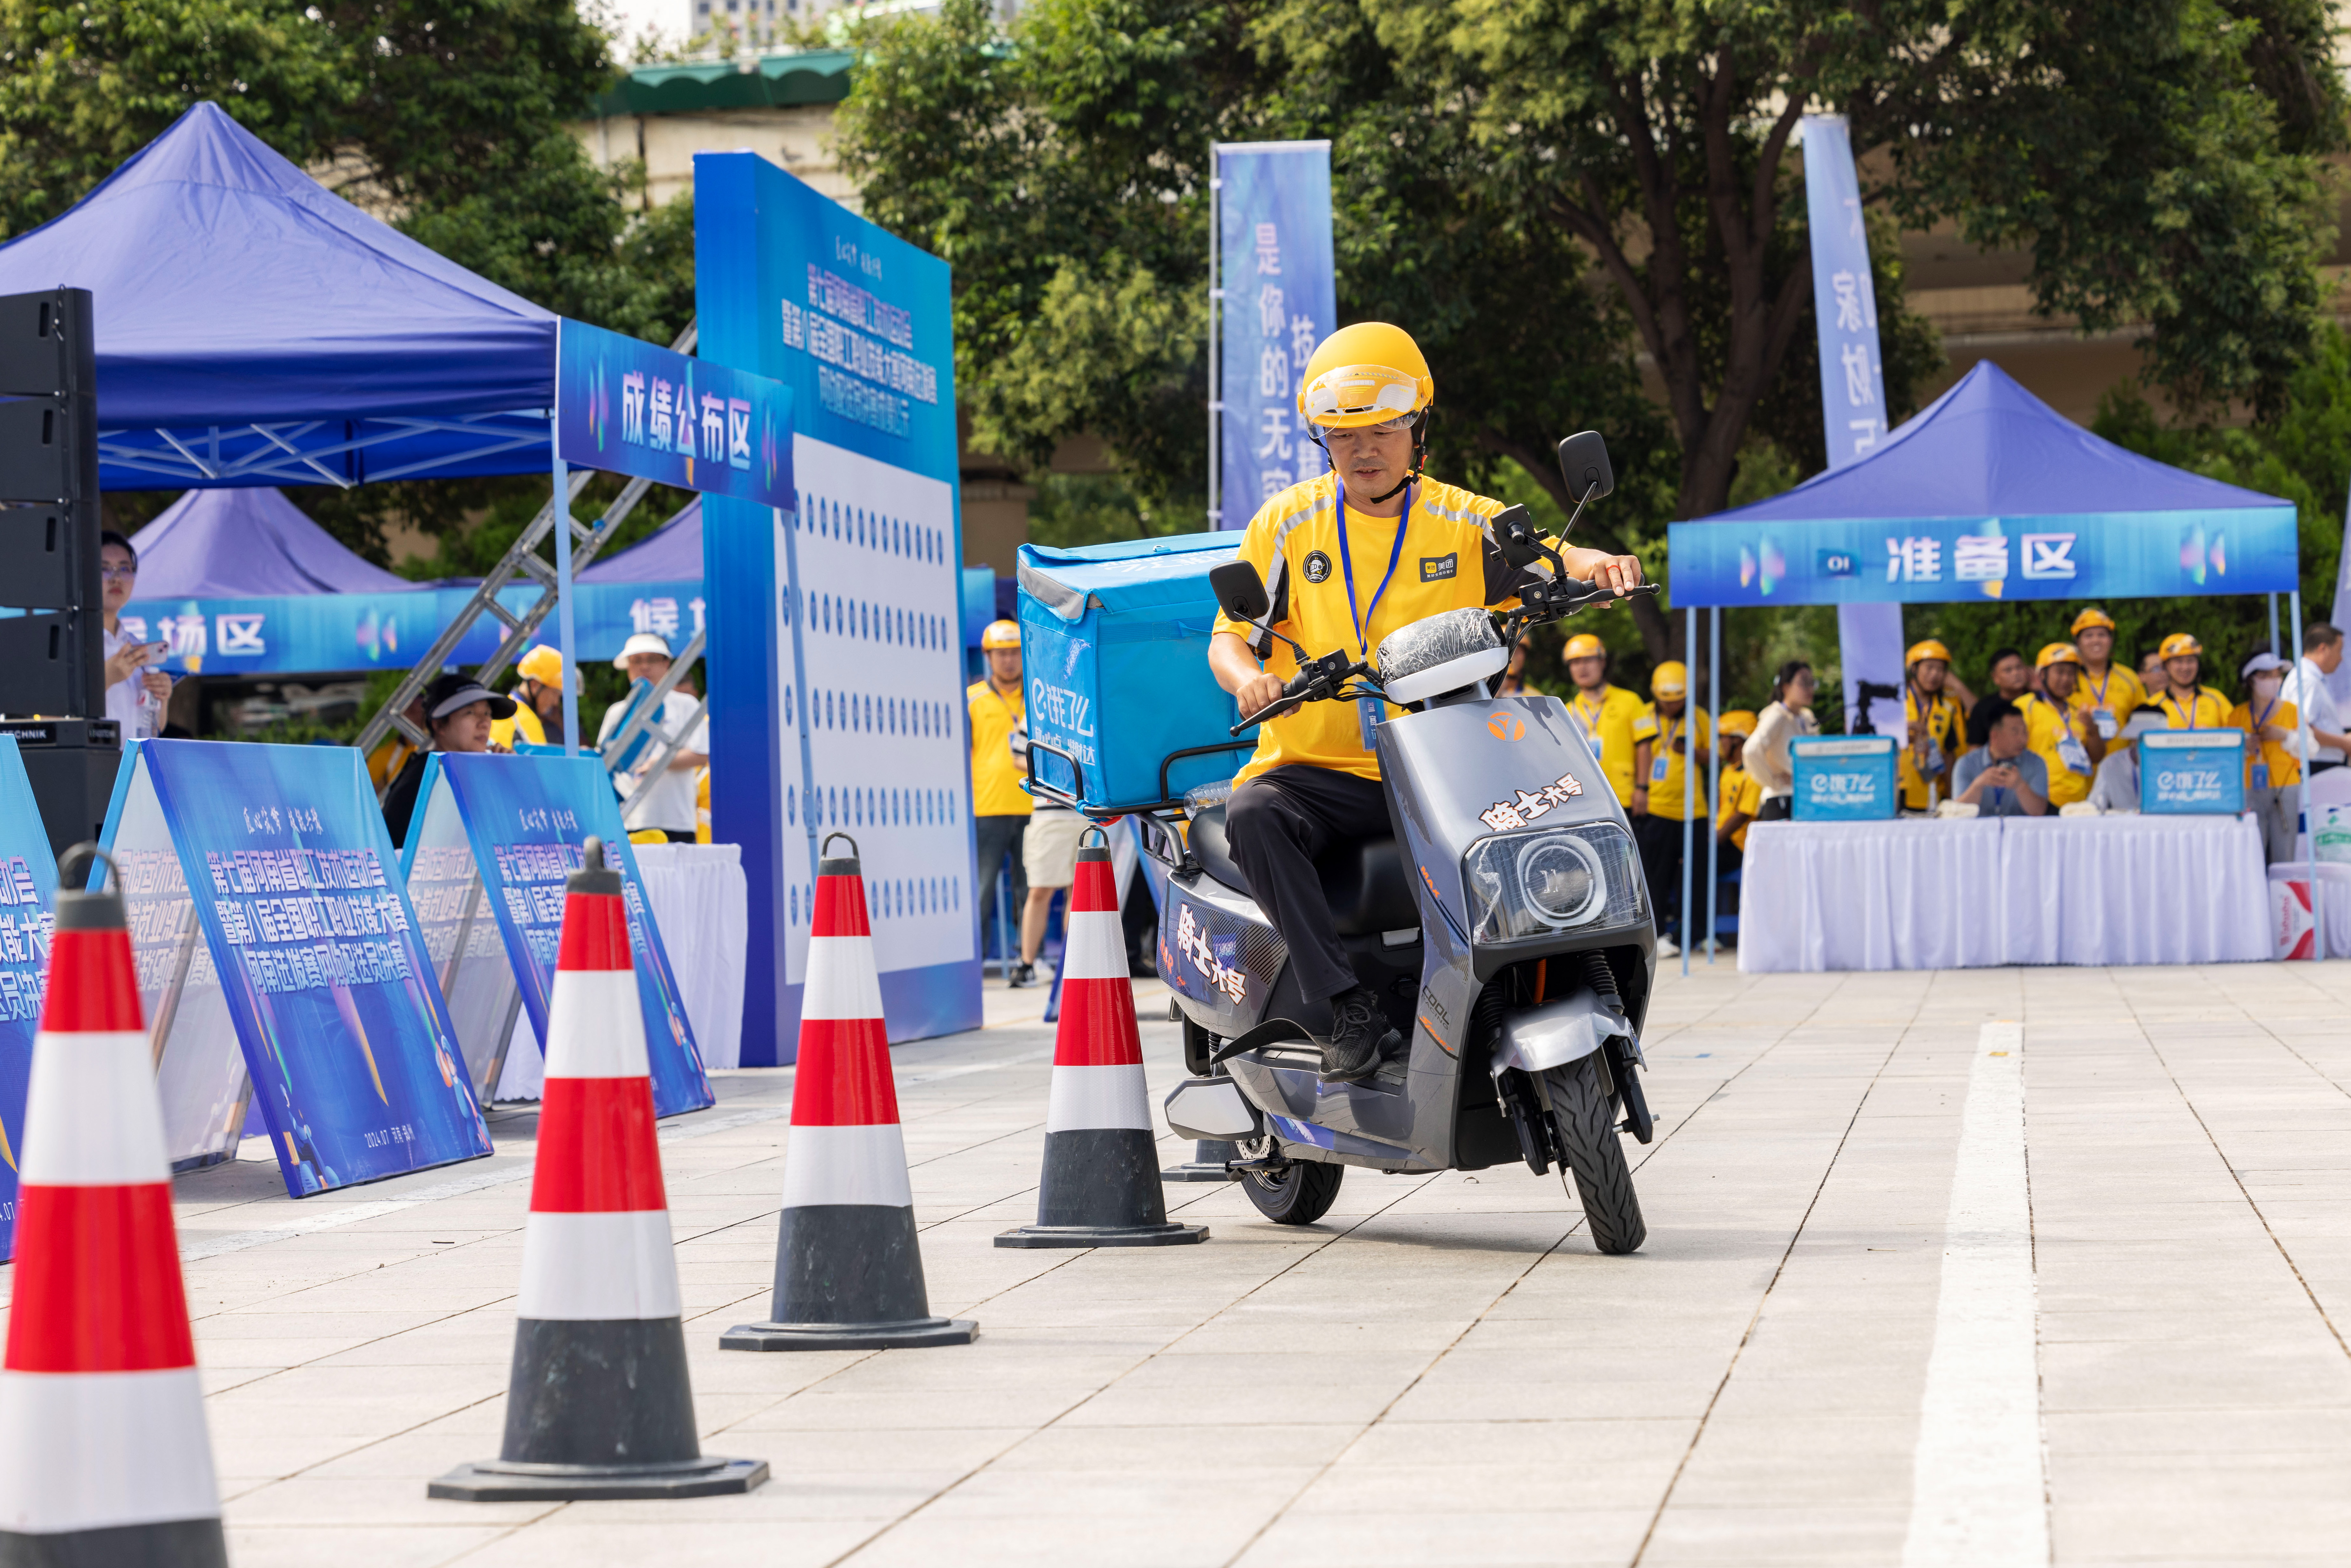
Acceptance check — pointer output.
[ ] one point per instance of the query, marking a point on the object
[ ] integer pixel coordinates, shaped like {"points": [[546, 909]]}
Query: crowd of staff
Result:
{"points": [[2044, 734]]}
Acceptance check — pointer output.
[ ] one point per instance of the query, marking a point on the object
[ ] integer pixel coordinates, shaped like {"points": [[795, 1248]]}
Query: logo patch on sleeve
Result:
{"points": [[1438, 567], [1318, 567]]}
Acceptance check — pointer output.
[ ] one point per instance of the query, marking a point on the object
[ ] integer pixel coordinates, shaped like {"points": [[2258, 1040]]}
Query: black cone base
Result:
{"points": [[916, 1333], [1206, 1163], [497, 1480], [1165, 1235], [173, 1543]]}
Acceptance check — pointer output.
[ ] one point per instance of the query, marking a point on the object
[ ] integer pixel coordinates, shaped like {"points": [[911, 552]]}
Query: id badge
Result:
{"points": [[1657, 772], [2260, 774], [2075, 756], [1370, 712], [2104, 720]]}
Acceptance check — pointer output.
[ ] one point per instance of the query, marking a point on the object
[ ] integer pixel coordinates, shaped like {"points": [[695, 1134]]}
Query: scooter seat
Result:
{"points": [[1365, 883]]}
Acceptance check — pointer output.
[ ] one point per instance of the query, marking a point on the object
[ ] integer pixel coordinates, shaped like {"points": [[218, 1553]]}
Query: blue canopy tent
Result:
{"points": [[256, 329]]}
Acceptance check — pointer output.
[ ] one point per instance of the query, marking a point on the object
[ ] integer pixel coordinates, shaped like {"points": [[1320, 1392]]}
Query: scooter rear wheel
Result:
{"points": [[1299, 1194], [1595, 1153]]}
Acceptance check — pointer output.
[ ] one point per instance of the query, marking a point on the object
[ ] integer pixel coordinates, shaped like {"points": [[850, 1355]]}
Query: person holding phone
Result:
{"points": [[2003, 778], [135, 690]]}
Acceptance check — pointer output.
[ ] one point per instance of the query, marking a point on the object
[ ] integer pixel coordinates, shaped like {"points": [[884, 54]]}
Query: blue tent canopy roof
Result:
{"points": [[256, 329], [247, 544], [1987, 447]]}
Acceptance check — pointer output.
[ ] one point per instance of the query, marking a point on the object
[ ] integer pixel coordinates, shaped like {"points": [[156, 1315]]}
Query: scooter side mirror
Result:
{"points": [[1583, 463], [1240, 591], [1515, 537]]}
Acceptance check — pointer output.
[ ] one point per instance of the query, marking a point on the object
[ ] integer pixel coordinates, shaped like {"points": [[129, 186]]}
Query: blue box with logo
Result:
{"points": [[2193, 772], [1842, 777], [1114, 667]]}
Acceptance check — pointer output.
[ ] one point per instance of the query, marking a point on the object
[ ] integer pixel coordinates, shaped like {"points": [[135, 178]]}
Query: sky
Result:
{"points": [[633, 16]]}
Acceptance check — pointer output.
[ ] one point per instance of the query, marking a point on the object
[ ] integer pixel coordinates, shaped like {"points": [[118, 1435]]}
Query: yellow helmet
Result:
{"points": [[1369, 374], [1000, 635], [1669, 680], [1738, 721], [2058, 654], [542, 665], [1585, 645], [1929, 649], [2088, 618], [2179, 645]]}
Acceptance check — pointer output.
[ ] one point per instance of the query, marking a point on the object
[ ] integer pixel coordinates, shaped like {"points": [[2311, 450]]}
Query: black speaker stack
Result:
{"points": [[52, 618]]}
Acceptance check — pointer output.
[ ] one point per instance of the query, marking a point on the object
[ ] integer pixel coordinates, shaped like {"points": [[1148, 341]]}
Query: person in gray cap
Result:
{"points": [[457, 712]]}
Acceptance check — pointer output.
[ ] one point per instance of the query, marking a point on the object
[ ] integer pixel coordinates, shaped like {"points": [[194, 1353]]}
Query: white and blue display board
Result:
{"points": [[1843, 779], [279, 962], [2193, 772], [486, 871], [835, 652], [29, 885]]}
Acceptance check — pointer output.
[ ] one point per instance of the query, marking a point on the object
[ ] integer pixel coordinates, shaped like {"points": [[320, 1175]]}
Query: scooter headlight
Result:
{"points": [[1524, 885]]}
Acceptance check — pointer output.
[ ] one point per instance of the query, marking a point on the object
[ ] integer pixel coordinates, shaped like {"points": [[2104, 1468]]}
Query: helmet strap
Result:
{"points": [[1419, 458]]}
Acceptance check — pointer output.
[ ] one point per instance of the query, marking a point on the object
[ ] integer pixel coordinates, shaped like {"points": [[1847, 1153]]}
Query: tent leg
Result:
{"points": [[566, 644], [2301, 810], [1689, 777], [2274, 629], [1713, 772]]}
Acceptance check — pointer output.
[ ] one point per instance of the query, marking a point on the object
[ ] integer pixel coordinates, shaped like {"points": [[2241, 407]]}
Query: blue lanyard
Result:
{"points": [[1347, 565]]}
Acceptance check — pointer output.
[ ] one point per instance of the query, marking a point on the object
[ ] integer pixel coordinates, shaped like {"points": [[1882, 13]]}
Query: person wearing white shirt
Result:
{"points": [[2320, 741], [135, 692], [664, 803]]}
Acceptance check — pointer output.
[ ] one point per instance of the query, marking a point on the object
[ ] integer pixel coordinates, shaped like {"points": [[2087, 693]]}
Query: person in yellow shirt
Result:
{"points": [[1000, 806], [2272, 770], [1938, 724], [2185, 703], [1743, 799], [1662, 734], [2058, 728], [2112, 690], [539, 702], [1347, 558], [1606, 714]]}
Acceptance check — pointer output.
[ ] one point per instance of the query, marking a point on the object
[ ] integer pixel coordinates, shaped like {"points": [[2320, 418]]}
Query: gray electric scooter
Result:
{"points": [[1505, 926]]}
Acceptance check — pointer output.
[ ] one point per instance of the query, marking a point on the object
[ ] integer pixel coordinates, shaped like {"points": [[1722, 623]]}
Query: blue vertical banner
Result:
{"points": [[29, 885], [1852, 387], [1281, 298]]}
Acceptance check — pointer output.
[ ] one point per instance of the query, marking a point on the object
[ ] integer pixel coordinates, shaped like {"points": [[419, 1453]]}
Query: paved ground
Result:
{"points": [[2112, 1338]]}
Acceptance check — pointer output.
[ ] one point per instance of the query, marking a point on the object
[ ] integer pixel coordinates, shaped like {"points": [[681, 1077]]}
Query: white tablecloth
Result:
{"points": [[2291, 916], [702, 906], [1930, 893]]}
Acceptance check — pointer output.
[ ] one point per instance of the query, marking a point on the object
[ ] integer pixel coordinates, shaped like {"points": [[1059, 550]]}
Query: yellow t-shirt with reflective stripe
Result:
{"points": [[1293, 542], [1742, 792], [2207, 709], [2046, 726], [2119, 694], [1668, 787], [996, 775], [1948, 727]]}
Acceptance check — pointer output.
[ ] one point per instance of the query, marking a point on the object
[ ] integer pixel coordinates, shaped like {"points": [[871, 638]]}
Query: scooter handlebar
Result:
{"points": [[1293, 696]]}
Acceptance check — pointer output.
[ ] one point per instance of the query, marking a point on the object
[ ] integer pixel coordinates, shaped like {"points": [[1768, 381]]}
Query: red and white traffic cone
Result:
{"points": [[1101, 1186], [599, 1405], [849, 1266], [104, 1457]]}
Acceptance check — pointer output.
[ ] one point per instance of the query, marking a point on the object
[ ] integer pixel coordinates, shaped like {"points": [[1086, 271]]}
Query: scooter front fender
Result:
{"points": [[1555, 1033]]}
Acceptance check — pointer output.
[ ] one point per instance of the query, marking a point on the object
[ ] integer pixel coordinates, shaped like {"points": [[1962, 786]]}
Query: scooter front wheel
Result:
{"points": [[1299, 1194], [1595, 1153]]}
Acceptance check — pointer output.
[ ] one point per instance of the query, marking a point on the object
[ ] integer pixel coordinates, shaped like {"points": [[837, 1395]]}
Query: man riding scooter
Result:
{"points": [[1366, 549]]}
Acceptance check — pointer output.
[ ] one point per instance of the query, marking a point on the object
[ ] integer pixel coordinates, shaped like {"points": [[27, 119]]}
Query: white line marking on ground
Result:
{"points": [[1977, 1491], [307, 1223]]}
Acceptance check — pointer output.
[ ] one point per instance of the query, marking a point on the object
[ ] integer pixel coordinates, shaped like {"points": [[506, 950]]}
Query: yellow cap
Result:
{"points": [[1000, 635], [1583, 646], [2058, 654], [542, 665], [2090, 618], [1929, 649], [1738, 721], [1368, 373], [1669, 680], [2179, 644]]}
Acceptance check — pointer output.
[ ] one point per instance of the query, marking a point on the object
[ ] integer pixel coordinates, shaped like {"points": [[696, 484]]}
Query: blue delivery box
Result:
{"points": [[2193, 772], [1842, 777], [1123, 712]]}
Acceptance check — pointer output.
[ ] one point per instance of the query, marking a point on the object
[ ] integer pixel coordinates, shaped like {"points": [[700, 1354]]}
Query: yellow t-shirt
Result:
{"points": [[2284, 767], [2047, 726], [525, 721], [2119, 694], [995, 776], [1294, 543], [1949, 729], [1607, 723], [1669, 790], [2207, 710], [1742, 792]]}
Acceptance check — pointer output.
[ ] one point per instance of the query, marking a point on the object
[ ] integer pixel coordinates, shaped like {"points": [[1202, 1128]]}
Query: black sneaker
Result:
{"points": [[1359, 1037], [1022, 975]]}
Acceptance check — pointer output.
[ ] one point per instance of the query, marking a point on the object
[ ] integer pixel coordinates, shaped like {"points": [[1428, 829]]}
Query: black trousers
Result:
{"points": [[1277, 822], [1000, 840], [1660, 841]]}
